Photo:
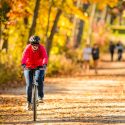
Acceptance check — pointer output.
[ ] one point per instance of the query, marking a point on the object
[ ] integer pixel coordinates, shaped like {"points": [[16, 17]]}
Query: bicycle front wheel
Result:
{"points": [[34, 103]]}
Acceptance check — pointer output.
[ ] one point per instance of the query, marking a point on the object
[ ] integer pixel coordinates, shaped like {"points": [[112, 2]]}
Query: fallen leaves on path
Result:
{"points": [[69, 101]]}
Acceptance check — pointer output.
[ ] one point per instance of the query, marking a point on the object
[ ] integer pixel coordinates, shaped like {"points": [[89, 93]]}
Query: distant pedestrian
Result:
{"points": [[111, 49], [95, 56], [119, 50], [87, 56]]}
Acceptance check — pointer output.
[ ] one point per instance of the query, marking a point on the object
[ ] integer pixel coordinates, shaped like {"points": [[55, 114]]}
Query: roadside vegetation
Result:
{"points": [[64, 27]]}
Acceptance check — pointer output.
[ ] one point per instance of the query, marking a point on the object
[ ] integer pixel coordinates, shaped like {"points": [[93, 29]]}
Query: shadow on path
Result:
{"points": [[97, 119]]}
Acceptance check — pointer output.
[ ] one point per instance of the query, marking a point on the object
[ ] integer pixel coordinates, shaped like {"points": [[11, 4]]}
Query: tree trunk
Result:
{"points": [[35, 16], [76, 23], [108, 16], [0, 33], [48, 20], [79, 34], [120, 19], [24, 34], [50, 38], [5, 44], [104, 13], [78, 26], [5, 39], [91, 22]]}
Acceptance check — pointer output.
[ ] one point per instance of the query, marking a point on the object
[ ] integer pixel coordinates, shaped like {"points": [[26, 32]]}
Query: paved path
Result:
{"points": [[106, 67], [84, 100]]}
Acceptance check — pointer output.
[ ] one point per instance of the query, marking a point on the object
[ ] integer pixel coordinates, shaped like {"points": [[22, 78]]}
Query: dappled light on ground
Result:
{"points": [[69, 101], [85, 99]]}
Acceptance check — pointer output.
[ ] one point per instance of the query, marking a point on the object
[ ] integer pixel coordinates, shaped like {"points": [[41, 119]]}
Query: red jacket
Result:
{"points": [[32, 59]]}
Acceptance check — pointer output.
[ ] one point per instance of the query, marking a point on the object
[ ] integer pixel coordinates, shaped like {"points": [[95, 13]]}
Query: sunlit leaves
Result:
{"points": [[112, 3], [70, 8], [94, 1], [12, 10], [124, 13], [18, 9], [85, 1]]}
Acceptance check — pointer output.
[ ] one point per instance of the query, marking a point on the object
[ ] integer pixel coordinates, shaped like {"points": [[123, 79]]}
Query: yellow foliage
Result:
{"points": [[18, 33], [112, 3], [73, 10], [85, 1], [94, 1], [103, 3], [124, 13]]}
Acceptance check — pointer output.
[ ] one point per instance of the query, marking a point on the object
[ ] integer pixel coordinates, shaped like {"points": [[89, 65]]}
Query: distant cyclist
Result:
{"points": [[34, 60]]}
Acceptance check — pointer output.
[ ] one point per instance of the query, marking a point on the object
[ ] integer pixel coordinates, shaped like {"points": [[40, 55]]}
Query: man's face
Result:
{"points": [[35, 46]]}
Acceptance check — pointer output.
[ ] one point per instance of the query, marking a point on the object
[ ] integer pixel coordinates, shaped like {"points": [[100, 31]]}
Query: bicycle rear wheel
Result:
{"points": [[34, 103]]}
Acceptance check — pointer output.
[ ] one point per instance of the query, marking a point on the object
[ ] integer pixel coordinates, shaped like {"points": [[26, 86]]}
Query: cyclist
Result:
{"points": [[34, 60]]}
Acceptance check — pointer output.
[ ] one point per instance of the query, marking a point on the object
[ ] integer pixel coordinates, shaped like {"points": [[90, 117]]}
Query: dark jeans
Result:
{"points": [[39, 77], [119, 56], [112, 54]]}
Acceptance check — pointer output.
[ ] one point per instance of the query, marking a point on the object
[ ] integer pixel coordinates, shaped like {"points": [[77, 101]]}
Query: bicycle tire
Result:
{"points": [[34, 103]]}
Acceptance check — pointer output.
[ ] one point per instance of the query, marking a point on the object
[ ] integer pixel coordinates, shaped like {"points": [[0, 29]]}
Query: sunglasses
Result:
{"points": [[35, 44]]}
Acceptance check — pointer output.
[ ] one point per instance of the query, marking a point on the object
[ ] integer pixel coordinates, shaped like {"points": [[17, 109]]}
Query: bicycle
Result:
{"points": [[35, 100], [35, 97], [34, 107]]}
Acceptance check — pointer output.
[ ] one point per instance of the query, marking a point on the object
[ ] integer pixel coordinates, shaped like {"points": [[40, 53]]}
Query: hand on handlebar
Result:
{"points": [[23, 66], [42, 67]]}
